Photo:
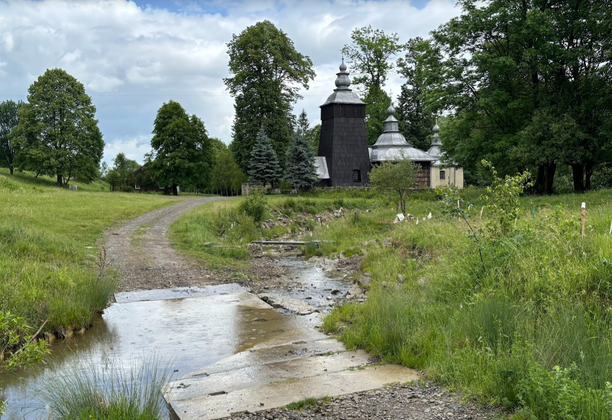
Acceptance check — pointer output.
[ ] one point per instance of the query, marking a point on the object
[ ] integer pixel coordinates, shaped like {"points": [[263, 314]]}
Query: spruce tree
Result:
{"points": [[301, 171], [263, 165]]}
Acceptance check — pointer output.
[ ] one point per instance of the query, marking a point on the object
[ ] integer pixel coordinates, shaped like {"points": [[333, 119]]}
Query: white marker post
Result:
{"points": [[583, 218]]}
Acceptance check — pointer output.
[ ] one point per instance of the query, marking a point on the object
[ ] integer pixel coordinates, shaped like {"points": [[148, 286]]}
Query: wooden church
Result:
{"points": [[344, 158]]}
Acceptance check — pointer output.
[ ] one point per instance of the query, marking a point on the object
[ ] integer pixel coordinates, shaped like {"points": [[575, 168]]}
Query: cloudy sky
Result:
{"points": [[132, 56]]}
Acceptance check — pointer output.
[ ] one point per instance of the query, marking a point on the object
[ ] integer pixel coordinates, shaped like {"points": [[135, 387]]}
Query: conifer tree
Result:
{"points": [[301, 171], [263, 165]]}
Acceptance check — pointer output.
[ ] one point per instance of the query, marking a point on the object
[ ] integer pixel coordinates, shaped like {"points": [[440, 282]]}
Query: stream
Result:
{"points": [[183, 329]]}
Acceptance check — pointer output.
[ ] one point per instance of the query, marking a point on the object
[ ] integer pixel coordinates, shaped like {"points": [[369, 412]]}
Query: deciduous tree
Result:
{"points": [[9, 119], [395, 179], [267, 74], [181, 148], [371, 55], [121, 176], [58, 134]]}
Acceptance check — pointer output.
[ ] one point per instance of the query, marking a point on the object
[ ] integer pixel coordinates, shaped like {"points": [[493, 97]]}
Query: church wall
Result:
{"points": [[452, 177]]}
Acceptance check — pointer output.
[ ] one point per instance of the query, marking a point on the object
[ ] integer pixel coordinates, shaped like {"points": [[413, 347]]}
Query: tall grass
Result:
{"points": [[51, 268], [108, 392], [530, 332]]}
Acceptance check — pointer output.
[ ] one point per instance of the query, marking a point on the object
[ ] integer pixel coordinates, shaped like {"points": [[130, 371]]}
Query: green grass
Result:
{"points": [[50, 266], [108, 392], [531, 332], [307, 403]]}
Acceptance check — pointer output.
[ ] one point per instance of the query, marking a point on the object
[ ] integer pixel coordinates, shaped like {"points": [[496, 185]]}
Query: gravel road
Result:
{"points": [[142, 252]]}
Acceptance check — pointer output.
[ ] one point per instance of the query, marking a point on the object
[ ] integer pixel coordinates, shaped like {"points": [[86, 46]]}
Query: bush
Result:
{"points": [[254, 206]]}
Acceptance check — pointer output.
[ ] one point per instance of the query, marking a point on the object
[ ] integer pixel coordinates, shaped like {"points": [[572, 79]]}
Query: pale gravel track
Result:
{"points": [[144, 256]]}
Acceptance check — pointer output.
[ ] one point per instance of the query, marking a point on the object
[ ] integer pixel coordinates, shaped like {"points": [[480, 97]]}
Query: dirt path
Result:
{"points": [[145, 257]]}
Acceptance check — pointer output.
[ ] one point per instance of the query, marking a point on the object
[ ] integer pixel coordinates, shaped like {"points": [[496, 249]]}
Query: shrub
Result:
{"points": [[254, 206]]}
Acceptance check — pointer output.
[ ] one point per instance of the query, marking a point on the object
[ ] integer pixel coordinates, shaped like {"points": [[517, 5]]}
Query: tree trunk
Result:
{"points": [[174, 189], [60, 181], [588, 175], [578, 176], [550, 170], [11, 168], [545, 178]]}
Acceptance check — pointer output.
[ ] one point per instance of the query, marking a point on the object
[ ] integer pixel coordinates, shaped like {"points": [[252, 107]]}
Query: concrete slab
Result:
{"points": [[271, 354], [178, 293], [281, 393], [261, 374]]}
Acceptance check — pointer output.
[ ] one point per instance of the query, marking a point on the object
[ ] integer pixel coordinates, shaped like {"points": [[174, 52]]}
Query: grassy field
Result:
{"points": [[50, 265], [527, 327]]}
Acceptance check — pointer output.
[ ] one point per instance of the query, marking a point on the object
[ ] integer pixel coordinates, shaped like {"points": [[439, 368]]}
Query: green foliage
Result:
{"points": [[502, 199], [415, 120], [311, 135], [182, 151], [306, 403], [108, 392], [370, 54], [17, 345], [50, 266], [264, 167], [121, 177], [255, 206], [9, 120], [520, 78], [267, 75], [301, 171], [227, 178], [530, 333], [58, 134], [395, 179]]}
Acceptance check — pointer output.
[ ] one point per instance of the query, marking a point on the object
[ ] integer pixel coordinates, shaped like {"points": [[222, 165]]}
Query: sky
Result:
{"points": [[134, 56]]}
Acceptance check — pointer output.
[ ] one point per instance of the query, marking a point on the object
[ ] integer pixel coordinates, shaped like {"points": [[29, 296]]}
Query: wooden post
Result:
{"points": [[583, 218]]}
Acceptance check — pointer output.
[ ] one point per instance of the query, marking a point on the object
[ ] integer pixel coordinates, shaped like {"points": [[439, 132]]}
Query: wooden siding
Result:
{"points": [[343, 143]]}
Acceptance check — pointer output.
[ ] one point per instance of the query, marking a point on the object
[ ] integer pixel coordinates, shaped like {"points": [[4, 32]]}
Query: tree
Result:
{"points": [[311, 135], [181, 148], [301, 172], [9, 120], [370, 56], [58, 134], [264, 166], [395, 179], [121, 176], [267, 74], [227, 178], [415, 119], [507, 65]]}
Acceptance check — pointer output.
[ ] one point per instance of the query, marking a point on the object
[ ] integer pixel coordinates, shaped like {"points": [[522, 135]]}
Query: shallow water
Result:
{"points": [[181, 333]]}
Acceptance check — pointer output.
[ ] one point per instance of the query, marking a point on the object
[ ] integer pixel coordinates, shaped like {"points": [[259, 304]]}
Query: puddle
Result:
{"points": [[313, 284], [183, 328], [183, 334]]}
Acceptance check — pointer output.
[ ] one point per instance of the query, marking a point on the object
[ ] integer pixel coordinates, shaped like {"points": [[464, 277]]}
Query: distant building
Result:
{"points": [[344, 158], [442, 175], [343, 147]]}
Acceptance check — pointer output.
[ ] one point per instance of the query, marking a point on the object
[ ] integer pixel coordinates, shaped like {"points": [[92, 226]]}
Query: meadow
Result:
{"points": [[51, 268], [525, 327]]}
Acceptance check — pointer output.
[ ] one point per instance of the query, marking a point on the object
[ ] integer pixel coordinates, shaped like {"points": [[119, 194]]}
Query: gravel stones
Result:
{"points": [[420, 401]]}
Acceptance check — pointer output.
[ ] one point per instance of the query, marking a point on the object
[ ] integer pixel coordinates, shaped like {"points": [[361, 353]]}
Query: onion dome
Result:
{"points": [[343, 94], [434, 150], [391, 145]]}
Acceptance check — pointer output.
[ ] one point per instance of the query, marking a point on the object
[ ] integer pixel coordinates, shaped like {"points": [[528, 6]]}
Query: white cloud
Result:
{"points": [[133, 59]]}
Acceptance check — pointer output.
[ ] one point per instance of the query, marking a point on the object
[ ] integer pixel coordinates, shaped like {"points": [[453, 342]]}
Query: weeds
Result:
{"points": [[108, 392]]}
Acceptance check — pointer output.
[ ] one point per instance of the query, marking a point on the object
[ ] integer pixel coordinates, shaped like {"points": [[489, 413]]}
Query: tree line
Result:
{"points": [[524, 84]]}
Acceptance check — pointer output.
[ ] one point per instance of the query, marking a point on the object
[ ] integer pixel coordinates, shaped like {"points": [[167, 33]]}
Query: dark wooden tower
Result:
{"points": [[343, 140]]}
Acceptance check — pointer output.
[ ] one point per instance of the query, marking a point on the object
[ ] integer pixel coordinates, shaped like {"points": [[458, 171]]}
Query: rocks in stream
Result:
{"points": [[296, 306]]}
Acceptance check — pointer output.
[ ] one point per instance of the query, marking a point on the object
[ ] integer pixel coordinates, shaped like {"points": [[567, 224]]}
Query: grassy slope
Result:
{"points": [[531, 331], [50, 268]]}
